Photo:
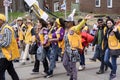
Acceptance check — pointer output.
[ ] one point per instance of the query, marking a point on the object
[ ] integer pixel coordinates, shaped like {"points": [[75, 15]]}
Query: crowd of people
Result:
{"points": [[47, 41]]}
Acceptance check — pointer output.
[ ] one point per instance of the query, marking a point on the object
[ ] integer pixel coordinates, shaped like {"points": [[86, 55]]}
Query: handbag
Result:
{"points": [[33, 48], [115, 52], [40, 53]]}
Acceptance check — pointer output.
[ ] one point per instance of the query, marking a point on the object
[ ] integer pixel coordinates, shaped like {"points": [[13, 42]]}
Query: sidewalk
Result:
{"points": [[89, 73]]}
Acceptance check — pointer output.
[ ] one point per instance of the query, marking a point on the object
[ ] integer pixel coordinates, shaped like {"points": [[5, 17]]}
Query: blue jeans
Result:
{"points": [[114, 64], [82, 59], [95, 54], [53, 55], [107, 58]]}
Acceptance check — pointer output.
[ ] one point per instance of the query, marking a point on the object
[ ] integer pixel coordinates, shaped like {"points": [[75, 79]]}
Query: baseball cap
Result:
{"points": [[19, 18]]}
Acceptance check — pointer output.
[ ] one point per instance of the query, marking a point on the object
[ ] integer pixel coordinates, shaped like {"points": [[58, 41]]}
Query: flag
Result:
{"points": [[71, 16], [37, 10], [63, 6]]}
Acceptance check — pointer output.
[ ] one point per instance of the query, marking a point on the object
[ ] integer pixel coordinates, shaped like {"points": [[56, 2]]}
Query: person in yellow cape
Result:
{"points": [[72, 44], [7, 51], [21, 34], [29, 39]]}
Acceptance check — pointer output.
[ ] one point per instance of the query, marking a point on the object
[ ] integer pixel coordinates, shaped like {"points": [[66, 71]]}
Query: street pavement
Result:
{"points": [[24, 71]]}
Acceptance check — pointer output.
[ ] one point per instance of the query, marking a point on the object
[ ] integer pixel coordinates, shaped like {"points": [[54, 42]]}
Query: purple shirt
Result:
{"points": [[54, 35]]}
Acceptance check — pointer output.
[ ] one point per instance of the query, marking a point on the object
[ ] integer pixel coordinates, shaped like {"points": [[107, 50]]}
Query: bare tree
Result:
{"points": [[21, 5]]}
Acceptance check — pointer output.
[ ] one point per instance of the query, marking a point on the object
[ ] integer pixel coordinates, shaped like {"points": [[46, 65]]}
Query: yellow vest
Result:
{"points": [[113, 42], [11, 52], [75, 39], [104, 31], [21, 33], [28, 35]]}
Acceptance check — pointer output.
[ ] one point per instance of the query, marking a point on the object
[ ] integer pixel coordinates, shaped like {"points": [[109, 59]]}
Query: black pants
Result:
{"points": [[100, 57], [45, 62], [7, 65], [37, 64]]}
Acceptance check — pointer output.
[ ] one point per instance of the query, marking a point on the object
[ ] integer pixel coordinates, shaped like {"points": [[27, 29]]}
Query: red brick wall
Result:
{"points": [[89, 6], [69, 4], [51, 4], [1, 6], [86, 6]]}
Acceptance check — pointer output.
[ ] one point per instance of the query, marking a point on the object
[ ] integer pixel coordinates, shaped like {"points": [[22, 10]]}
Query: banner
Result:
{"points": [[37, 10], [31, 2]]}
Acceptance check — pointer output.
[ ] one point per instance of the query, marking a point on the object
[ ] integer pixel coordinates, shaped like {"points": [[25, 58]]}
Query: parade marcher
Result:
{"points": [[7, 41], [56, 43], [98, 40], [86, 39], [29, 39], [41, 32], [21, 34], [109, 26], [113, 46], [73, 43]]}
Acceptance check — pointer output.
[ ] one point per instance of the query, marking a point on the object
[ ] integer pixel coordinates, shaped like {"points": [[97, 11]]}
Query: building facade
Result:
{"points": [[100, 6]]}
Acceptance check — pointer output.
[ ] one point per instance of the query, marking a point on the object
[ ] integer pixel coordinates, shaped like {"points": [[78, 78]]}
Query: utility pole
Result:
{"points": [[6, 3]]}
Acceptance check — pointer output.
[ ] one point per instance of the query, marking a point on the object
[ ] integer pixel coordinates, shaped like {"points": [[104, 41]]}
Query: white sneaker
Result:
{"points": [[81, 68]]}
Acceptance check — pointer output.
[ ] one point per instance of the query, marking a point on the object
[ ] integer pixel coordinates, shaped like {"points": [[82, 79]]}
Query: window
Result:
{"points": [[56, 6], [77, 1], [97, 3], [109, 3]]}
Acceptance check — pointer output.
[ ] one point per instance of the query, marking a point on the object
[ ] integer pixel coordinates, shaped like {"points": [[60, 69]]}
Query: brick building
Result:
{"points": [[54, 5], [94, 6], [100, 6]]}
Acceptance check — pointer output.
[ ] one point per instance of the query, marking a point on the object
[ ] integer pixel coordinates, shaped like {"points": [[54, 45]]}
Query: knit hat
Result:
{"points": [[2, 17]]}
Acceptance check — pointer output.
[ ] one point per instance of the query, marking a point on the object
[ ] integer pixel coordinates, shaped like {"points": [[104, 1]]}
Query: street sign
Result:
{"points": [[6, 3]]}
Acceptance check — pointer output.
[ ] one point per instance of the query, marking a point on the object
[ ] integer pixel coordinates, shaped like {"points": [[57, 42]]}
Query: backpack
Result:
{"points": [[40, 53], [33, 48]]}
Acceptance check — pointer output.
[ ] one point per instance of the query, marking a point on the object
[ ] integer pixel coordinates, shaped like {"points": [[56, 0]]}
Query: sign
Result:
{"points": [[6, 3], [31, 2]]}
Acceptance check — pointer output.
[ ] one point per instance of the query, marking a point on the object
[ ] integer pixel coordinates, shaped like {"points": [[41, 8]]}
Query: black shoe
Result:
{"points": [[71, 78], [92, 59], [106, 67], [35, 70], [100, 72], [27, 59], [112, 76]]}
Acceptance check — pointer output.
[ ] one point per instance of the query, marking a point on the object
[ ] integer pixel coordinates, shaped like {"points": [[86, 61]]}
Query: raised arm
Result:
{"points": [[79, 26]]}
